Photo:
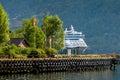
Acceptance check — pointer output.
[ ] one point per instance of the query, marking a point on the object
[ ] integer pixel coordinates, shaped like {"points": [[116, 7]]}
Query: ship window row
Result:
{"points": [[71, 39], [74, 37], [76, 43], [73, 34]]}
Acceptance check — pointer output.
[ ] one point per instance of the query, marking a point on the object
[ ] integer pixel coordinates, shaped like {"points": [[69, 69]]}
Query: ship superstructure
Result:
{"points": [[74, 41]]}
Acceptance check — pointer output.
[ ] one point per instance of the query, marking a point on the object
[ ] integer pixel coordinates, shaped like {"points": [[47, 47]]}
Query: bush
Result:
{"points": [[13, 46], [21, 56], [50, 52], [37, 53], [42, 53], [10, 51], [2, 54], [26, 51], [33, 53], [1, 50]]}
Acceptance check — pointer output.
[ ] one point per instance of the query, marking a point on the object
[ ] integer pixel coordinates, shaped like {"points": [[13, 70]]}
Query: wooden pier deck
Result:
{"points": [[54, 64]]}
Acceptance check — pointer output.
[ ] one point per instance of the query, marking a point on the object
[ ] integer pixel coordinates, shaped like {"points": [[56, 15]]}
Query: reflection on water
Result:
{"points": [[88, 75]]}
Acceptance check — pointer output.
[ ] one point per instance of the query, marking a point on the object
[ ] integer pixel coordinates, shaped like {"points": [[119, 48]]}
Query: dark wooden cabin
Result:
{"points": [[21, 42]]}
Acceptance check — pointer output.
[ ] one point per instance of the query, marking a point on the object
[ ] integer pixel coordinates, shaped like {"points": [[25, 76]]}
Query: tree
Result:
{"points": [[4, 27], [40, 37], [33, 34], [54, 33], [12, 34], [58, 39], [21, 31]]}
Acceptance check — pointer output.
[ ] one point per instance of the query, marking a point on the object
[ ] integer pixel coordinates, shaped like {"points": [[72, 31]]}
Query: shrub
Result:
{"points": [[1, 50], [33, 53], [37, 53], [51, 52], [21, 56], [26, 51], [42, 53], [9, 51], [13, 46]]}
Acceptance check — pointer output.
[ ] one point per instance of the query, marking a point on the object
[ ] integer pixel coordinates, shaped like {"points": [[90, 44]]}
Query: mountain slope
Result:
{"points": [[99, 20]]}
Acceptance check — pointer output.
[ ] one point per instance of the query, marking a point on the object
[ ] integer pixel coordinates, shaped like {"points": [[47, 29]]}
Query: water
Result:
{"points": [[88, 75]]}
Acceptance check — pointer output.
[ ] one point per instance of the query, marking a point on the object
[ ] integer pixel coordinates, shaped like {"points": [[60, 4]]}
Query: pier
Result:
{"points": [[54, 64]]}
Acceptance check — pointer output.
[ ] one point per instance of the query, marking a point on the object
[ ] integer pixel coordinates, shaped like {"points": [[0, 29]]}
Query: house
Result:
{"points": [[21, 42]]}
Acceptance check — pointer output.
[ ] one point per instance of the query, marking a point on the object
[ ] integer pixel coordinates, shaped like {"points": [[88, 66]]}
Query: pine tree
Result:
{"points": [[4, 27]]}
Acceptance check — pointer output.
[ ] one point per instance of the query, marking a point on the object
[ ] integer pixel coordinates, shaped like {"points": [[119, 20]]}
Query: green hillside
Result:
{"points": [[99, 20]]}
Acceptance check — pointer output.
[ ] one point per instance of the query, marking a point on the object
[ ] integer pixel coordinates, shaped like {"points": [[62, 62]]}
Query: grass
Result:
{"points": [[85, 56]]}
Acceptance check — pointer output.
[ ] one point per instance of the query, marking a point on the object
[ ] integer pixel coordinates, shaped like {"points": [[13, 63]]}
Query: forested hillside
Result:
{"points": [[99, 20]]}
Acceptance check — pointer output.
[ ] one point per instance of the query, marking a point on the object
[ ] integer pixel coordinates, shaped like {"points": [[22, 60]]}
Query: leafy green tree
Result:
{"points": [[30, 35], [54, 33], [4, 27], [33, 34], [12, 34], [58, 39], [40, 37], [21, 31]]}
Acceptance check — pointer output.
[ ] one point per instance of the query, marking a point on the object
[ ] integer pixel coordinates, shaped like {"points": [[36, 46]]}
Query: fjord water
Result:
{"points": [[87, 75]]}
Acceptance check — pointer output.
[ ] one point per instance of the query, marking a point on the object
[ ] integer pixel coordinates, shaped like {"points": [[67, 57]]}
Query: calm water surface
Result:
{"points": [[88, 75]]}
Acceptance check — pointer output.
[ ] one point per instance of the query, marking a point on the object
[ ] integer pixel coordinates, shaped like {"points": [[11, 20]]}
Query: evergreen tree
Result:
{"points": [[4, 27], [54, 33]]}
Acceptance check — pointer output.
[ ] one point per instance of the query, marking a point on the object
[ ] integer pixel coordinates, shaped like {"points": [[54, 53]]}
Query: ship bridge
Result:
{"points": [[74, 41]]}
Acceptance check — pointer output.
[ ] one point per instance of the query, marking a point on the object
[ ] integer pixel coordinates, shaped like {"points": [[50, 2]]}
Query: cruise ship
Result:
{"points": [[74, 41]]}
